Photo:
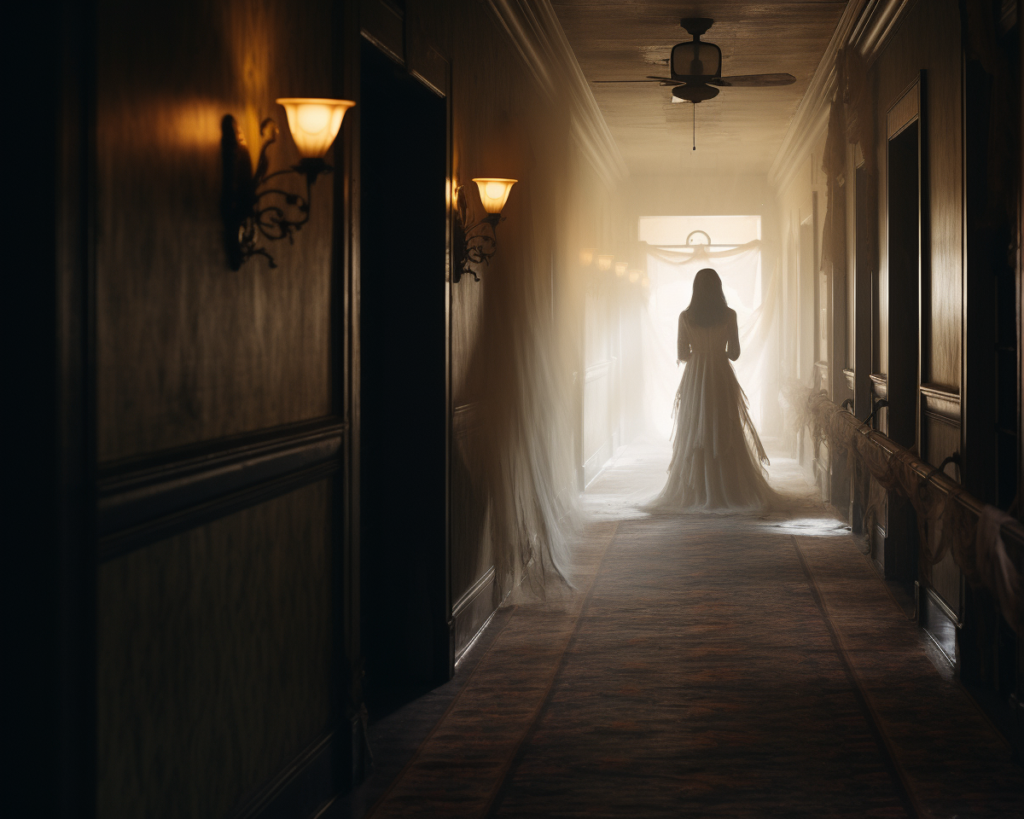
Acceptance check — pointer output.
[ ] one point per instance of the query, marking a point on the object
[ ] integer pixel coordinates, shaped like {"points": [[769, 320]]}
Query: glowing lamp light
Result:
{"points": [[494, 192], [587, 256], [604, 262], [620, 268], [476, 243], [645, 282], [254, 209], [314, 123], [634, 276]]}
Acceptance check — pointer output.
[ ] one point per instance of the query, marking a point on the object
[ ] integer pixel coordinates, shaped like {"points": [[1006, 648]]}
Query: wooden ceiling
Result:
{"points": [[738, 132]]}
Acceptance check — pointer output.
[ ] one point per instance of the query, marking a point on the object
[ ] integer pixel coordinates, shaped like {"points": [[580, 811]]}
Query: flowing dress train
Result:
{"points": [[716, 452]]}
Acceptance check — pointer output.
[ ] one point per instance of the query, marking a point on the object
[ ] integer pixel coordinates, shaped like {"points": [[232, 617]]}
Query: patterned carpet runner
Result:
{"points": [[710, 667]]}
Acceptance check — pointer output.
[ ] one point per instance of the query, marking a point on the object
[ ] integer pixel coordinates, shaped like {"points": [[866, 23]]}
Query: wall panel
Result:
{"points": [[214, 656], [189, 350], [929, 38]]}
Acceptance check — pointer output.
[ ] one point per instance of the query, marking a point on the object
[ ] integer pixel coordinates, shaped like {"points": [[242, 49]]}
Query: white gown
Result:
{"points": [[716, 453]]}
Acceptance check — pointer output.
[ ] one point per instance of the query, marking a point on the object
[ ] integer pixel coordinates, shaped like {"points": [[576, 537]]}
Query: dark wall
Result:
{"points": [[187, 349], [210, 423], [214, 636]]}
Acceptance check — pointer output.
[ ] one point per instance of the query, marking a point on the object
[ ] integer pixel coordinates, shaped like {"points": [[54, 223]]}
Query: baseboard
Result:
{"points": [[301, 789], [471, 611], [938, 621]]}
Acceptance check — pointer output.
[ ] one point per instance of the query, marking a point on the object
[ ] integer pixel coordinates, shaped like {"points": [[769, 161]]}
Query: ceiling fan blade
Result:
{"points": [[655, 79], [754, 81]]}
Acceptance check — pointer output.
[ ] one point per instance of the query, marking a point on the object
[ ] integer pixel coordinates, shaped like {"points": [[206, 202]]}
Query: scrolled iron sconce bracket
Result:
{"points": [[250, 209], [474, 244]]}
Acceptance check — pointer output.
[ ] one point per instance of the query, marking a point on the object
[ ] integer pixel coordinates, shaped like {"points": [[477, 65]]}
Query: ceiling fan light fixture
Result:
{"points": [[695, 93]]}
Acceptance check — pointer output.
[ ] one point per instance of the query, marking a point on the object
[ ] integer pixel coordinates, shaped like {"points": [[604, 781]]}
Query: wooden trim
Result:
{"points": [[471, 613], [941, 403], [904, 110], [851, 378], [383, 24], [879, 385], [933, 595], [460, 605], [424, 61], [143, 500], [301, 787], [537, 34], [865, 24]]}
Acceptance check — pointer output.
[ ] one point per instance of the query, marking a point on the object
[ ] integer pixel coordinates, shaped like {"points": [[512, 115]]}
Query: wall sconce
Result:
{"points": [[477, 243], [604, 262], [314, 124], [634, 276], [620, 268], [587, 256]]}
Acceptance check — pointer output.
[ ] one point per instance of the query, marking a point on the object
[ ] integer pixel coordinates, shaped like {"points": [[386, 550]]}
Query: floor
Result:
{"points": [[704, 666]]}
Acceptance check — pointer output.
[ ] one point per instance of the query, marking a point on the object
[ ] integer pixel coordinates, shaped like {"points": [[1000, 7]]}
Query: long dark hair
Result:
{"points": [[708, 306]]}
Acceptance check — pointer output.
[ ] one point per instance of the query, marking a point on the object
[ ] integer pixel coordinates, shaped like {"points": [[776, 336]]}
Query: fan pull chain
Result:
{"points": [[695, 126]]}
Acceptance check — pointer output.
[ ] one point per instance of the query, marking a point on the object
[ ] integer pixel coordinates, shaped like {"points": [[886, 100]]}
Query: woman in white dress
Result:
{"points": [[716, 453]]}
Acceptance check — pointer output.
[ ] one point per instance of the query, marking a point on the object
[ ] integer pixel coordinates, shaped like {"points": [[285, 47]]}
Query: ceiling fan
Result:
{"points": [[696, 68]]}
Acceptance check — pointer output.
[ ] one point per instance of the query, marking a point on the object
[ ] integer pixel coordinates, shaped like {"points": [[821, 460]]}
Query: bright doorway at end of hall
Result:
{"points": [[671, 284]]}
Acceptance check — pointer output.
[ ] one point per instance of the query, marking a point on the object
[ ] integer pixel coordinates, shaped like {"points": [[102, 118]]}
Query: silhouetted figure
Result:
{"points": [[715, 450]]}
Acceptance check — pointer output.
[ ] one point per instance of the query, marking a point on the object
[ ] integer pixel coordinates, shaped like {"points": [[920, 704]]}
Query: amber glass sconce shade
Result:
{"points": [[477, 243], [252, 209]]}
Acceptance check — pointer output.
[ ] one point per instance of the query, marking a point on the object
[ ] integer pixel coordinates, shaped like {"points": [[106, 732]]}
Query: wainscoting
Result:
{"points": [[472, 563]]}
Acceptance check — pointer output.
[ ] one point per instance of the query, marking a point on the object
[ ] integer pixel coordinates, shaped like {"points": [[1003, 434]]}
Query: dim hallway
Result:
{"points": [[705, 666], [341, 332]]}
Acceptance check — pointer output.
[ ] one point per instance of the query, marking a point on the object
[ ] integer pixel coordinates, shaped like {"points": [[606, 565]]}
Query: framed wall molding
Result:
{"points": [[148, 499]]}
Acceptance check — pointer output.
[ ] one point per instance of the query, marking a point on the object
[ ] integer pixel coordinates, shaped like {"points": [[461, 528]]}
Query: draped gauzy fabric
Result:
{"points": [[946, 524]]}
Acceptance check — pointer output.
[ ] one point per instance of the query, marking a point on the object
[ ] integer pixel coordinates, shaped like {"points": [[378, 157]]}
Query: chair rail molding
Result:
{"points": [[534, 29], [866, 25]]}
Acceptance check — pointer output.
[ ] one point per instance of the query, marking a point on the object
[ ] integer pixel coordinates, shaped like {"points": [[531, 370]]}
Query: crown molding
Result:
{"points": [[865, 25], [533, 27]]}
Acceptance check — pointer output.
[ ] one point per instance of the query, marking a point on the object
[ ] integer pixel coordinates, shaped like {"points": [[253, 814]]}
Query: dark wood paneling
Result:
{"points": [[147, 499], [471, 548], [471, 611], [299, 789], [929, 39], [187, 349], [214, 656], [879, 385], [941, 403], [905, 273]]}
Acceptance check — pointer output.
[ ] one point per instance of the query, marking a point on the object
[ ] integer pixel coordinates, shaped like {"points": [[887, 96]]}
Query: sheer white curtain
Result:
{"points": [[671, 273]]}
